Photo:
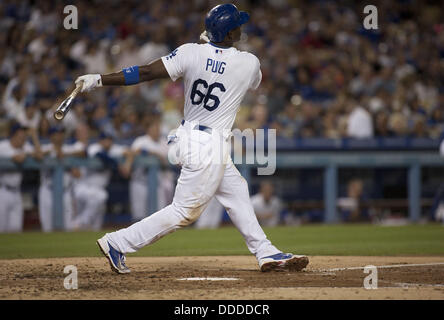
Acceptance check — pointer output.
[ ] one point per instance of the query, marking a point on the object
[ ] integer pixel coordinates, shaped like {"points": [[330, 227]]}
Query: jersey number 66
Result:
{"points": [[205, 97]]}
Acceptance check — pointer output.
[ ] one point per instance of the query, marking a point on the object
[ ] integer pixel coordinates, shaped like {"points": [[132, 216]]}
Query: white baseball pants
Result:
{"points": [[138, 193], [46, 208], [90, 206], [11, 211], [200, 179]]}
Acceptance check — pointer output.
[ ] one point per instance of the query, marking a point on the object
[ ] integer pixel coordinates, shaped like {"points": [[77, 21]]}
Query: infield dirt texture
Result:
{"points": [[158, 277]]}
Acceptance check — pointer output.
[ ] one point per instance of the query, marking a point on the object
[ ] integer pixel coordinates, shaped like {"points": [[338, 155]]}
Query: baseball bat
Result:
{"points": [[65, 106]]}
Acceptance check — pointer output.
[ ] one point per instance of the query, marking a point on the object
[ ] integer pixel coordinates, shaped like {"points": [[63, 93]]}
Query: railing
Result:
{"points": [[59, 166], [330, 162]]}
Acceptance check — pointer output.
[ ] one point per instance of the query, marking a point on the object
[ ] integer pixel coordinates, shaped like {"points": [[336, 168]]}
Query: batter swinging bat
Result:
{"points": [[65, 106]]}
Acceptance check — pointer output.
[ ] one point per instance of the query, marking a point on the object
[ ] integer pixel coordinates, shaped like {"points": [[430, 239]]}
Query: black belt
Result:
{"points": [[199, 127]]}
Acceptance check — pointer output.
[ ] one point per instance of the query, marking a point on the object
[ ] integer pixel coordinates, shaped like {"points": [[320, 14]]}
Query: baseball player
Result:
{"points": [[97, 180], [17, 149], [59, 149], [153, 143], [216, 77], [267, 206], [90, 200]]}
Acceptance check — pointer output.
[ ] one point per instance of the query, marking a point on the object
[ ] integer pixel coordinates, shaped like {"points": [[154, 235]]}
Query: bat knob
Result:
{"points": [[59, 115]]}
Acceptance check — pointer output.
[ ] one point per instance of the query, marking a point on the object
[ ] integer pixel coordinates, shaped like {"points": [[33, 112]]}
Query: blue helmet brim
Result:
{"points": [[244, 17]]}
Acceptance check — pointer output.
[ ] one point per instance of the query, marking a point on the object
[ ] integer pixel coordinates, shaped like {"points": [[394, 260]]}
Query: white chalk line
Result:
{"points": [[387, 266], [413, 285], [394, 286], [208, 279]]}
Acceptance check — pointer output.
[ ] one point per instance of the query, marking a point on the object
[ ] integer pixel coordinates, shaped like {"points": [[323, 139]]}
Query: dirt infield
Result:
{"points": [[157, 278]]}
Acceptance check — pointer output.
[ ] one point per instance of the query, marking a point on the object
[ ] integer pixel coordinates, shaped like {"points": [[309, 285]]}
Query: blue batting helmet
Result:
{"points": [[222, 19]]}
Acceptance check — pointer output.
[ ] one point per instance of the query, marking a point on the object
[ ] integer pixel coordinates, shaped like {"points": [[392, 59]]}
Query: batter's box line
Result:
{"points": [[386, 266], [415, 285]]}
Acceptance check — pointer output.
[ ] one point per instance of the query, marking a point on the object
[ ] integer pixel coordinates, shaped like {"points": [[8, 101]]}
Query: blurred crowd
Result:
{"points": [[324, 75]]}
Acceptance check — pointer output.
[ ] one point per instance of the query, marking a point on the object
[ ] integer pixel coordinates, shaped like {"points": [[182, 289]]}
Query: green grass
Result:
{"points": [[311, 240]]}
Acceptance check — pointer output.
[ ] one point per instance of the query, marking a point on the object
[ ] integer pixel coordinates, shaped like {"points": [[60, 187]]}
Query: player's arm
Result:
{"points": [[128, 76], [36, 150], [19, 158]]}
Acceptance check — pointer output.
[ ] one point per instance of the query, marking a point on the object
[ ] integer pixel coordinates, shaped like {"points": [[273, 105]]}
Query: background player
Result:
{"points": [[97, 181], [152, 143], [17, 149], [216, 78], [57, 148]]}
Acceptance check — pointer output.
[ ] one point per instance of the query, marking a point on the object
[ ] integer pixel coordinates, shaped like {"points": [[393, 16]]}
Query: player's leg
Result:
{"points": [[138, 193], [69, 210], [165, 190], [4, 212], [15, 212], [93, 200], [193, 191], [196, 185], [45, 208], [80, 199], [99, 218], [233, 194]]}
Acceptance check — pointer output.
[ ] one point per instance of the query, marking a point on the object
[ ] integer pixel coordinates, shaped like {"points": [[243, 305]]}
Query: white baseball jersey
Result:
{"points": [[146, 143], [101, 178], [12, 179], [46, 174], [215, 79], [262, 209]]}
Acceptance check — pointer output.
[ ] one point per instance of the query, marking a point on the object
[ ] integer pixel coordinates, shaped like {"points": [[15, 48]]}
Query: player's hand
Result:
{"points": [[19, 158], [89, 82], [125, 171], [38, 155], [59, 153], [75, 172]]}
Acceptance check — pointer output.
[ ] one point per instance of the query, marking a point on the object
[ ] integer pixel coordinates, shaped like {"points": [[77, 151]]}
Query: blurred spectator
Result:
{"points": [[343, 82], [382, 125], [17, 149], [90, 200], [311, 127], [350, 206], [212, 216], [57, 148], [152, 143], [398, 124], [326, 58], [29, 116], [266, 205], [288, 121], [107, 152], [360, 123]]}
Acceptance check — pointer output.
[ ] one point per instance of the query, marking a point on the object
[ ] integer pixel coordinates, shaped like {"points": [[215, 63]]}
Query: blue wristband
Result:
{"points": [[131, 75]]}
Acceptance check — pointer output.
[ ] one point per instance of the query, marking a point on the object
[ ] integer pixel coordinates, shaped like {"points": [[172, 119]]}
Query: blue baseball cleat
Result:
{"points": [[116, 258], [283, 262]]}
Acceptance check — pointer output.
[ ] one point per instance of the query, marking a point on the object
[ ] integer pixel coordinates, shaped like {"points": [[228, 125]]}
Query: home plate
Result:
{"points": [[209, 279]]}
